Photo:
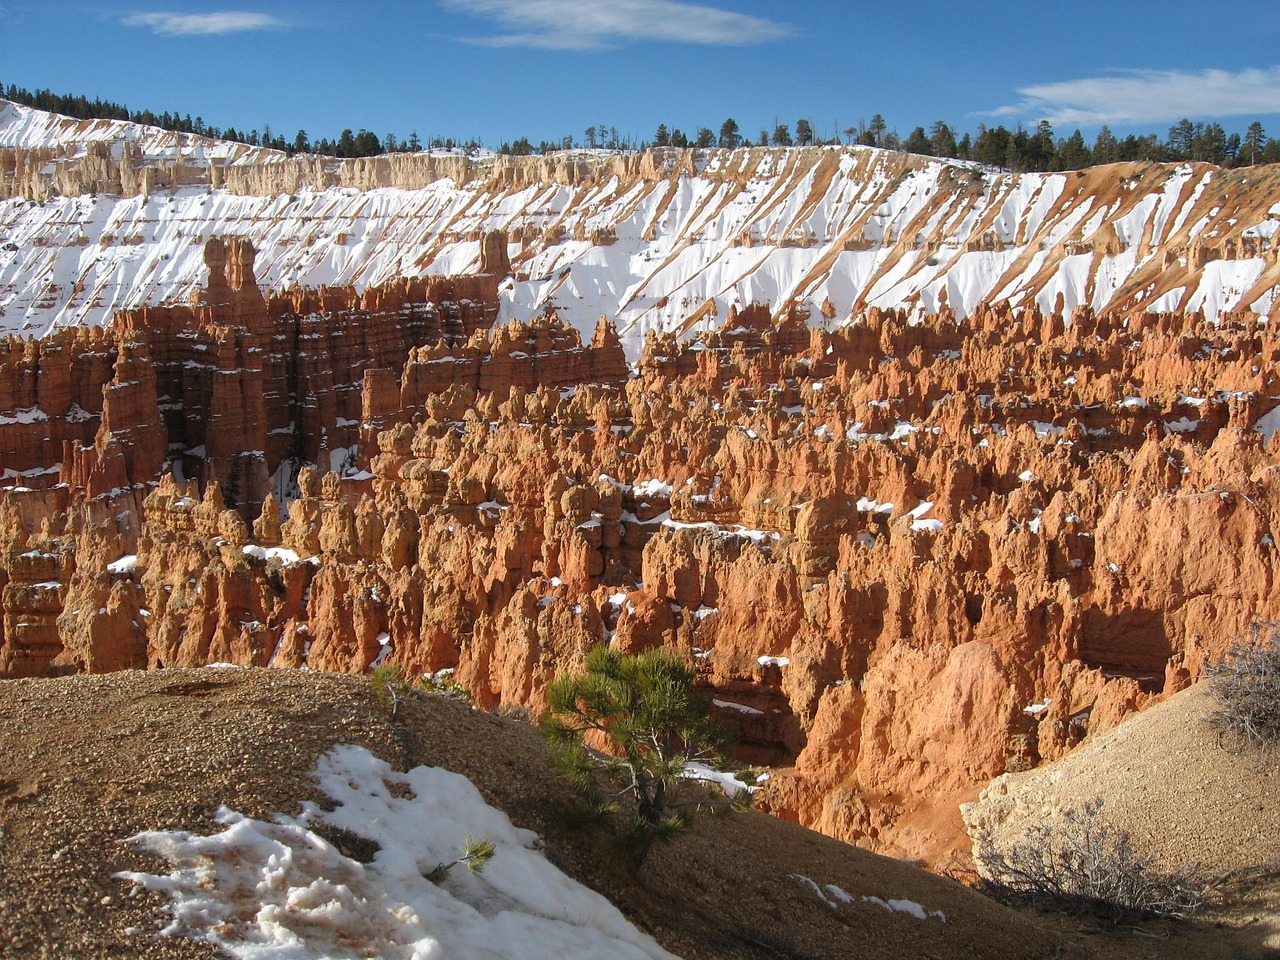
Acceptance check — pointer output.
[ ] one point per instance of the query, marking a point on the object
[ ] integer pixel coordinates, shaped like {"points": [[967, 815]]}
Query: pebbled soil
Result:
{"points": [[87, 761]]}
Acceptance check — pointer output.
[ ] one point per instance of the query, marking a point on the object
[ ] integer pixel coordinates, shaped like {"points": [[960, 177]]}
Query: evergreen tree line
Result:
{"points": [[1019, 149], [348, 144]]}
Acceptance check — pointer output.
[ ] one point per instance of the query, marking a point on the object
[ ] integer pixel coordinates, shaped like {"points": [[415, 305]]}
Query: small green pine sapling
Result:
{"points": [[655, 724], [389, 685], [475, 855]]}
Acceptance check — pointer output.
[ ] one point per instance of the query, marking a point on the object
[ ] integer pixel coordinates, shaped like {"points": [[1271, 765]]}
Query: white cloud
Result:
{"points": [[203, 24], [595, 24], [1150, 96]]}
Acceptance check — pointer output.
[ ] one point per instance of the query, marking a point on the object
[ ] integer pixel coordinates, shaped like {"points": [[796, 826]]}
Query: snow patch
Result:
{"points": [[278, 891], [126, 564]]}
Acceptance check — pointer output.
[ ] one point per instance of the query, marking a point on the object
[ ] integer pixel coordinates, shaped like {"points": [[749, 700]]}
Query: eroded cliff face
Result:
{"points": [[907, 554], [96, 217], [909, 548]]}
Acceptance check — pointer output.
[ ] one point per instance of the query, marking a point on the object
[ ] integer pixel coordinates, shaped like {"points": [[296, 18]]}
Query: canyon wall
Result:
{"points": [[97, 217], [932, 470], [907, 554]]}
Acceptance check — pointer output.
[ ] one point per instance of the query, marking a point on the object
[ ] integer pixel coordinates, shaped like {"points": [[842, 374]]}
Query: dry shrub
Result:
{"points": [[1246, 686], [1077, 863]]}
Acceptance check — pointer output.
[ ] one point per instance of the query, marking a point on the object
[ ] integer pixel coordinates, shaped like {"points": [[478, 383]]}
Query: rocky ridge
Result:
{"points": [[96, 217], [95, 760]]}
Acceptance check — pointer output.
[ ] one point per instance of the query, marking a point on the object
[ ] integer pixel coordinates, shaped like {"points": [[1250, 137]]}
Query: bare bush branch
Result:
{"points": [[1246, 686], [1079, 864]]}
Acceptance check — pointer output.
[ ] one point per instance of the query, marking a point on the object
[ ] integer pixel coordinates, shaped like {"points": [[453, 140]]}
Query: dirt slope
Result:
{"points": [[91, 760], [1192, 799]]}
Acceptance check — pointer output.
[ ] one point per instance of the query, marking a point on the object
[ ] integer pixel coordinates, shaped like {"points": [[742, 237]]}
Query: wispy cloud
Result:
{"points": [[203, 24], [597, 24], [1150, 96]]}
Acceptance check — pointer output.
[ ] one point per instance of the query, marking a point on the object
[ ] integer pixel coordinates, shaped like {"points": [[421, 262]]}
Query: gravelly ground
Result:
{"points": [[88, 761]]}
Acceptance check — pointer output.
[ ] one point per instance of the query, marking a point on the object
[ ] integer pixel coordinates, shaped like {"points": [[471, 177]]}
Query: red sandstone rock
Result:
{"points": [[1082, 516]]}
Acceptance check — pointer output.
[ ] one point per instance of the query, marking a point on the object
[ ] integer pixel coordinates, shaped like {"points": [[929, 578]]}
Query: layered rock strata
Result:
{"points": [[907, 554], [96, 217]]}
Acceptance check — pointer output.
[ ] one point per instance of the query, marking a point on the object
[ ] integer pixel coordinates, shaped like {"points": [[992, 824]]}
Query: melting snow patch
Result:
{"points": [[268, 553], [816, 889], [917, 521], [652, 488], [773, 661], [740, 707], [727, 782], [29, 415], [1267, 424], [909, 907], [1035, 709], [1026, 476], [1185, 425], [277, 891], [868, 505], [125, 564]]}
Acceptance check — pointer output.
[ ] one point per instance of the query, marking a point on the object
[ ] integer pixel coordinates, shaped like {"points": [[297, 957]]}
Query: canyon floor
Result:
{"points": [[92, 760]]}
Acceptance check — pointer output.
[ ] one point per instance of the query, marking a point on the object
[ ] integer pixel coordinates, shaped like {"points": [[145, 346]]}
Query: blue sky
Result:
{"points": [[499, 69]]}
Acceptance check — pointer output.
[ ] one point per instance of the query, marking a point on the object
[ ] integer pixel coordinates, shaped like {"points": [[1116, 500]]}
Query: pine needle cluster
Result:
{"points": [[644, 710]]}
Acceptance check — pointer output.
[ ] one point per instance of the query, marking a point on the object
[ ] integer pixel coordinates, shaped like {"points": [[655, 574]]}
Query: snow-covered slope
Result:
{"points": [[672, 242], [62, 136]]}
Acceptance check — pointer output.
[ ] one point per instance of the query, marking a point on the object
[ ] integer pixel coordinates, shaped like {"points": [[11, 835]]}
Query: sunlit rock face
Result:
{"points": [[908, 548], [98, 216]]}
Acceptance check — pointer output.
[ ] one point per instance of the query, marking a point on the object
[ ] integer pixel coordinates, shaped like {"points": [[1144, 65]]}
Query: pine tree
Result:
{"points": [[1182, 137], [782, 136], [1255, 140], [876, 129], [730, 138], [942, 140], [1209, 144], [1073, 153], [655, 723], [917, 142], [804, 132], [662, 138], [1104, 147]]}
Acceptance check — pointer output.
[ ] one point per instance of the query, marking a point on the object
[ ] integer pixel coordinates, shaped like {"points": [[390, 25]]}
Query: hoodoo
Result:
{"points": [[933, 470]]}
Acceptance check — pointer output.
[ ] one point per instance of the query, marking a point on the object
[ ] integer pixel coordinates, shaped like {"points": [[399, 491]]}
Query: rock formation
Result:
{"points": [[96, 217], [908, 548], [907, 554]]}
